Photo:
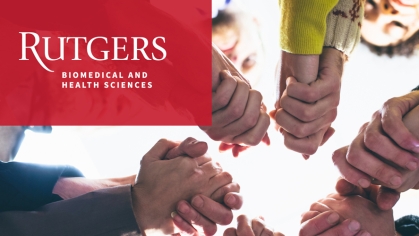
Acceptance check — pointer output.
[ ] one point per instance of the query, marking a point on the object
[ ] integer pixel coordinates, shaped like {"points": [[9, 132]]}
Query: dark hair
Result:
{"points": [[405, 48], [223, 18]]}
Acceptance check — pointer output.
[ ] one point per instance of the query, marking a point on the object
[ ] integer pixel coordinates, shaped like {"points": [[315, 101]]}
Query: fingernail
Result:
{"points": [[333, 218], [198, 202], [175, 217], [231, 200], [412, 165], [364, 183], [396, 181], [354, 226], [183, 208]]}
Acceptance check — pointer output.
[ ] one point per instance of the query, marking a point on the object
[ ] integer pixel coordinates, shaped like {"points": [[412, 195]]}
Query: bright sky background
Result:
{"points": [[276, 183]]}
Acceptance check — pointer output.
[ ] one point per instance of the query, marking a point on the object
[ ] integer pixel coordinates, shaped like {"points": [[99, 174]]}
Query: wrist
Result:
{"points": [[150, 218]]}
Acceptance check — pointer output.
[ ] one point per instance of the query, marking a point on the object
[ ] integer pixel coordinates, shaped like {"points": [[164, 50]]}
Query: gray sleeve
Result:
{"points": [[106, 212]]}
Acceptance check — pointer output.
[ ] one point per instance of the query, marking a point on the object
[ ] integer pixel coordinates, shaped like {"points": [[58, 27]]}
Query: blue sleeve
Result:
{"points": [[25, 186]]}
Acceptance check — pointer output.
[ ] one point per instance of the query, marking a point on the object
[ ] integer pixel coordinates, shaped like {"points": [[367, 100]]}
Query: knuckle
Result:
{"points": [[337, 155], [380, 172], [228, 177], [257, 95], [353, 156], [236, 112], [267, 232], [311, 149], [222, 100], [251, 120], [299, 131], [308, 115], [311, 96], [372, 140]]}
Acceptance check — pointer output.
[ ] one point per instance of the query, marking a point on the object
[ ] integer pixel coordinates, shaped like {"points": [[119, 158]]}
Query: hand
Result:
{"points": [[255, 228], [328, 223], [239, 117], [307, 105], [365, 211], [394, 167], [171, 181], [385, 198], [203, 218]]}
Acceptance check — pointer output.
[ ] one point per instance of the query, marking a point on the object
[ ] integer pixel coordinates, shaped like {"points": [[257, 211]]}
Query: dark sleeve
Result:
{"points": [[106, 212], [25, 186], [415, 89], [408, 225]]}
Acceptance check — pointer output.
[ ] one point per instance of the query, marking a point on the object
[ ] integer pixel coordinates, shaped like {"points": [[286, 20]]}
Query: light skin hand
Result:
{"points": [[171, 181], [390, 165], [309, 93], [364, 211], [239, 116], [328, 223], [216, 209], [256, 227]]}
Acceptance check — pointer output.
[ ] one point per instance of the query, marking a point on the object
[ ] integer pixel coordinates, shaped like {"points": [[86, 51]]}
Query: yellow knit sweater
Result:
{"points": [[308, 25]]}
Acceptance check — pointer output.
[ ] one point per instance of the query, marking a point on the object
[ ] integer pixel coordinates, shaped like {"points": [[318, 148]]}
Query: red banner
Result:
{"points": [[110, 62]]}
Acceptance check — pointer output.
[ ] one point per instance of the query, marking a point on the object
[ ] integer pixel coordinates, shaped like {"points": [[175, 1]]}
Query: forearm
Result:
{"points": [[104, 212], [68, 188], [303, 25]]}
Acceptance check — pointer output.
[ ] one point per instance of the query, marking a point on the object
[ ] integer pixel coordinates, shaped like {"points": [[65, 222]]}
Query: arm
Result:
{"points": [[105, 212], [310, 102], [26, 186]]}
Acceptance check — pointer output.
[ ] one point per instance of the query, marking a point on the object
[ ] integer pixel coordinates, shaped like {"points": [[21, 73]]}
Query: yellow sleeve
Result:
{"points": [[303, 25]]}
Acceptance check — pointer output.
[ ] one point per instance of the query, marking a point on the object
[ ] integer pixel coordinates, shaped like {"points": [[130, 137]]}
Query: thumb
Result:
{"points": [[189, 147], [158, 151]]}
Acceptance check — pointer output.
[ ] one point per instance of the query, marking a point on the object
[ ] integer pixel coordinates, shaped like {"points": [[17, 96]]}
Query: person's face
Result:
{"points": [[389, 22], [242, 45]]}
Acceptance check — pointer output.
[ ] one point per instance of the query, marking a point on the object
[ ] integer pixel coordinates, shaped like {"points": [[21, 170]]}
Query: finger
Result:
{"points": [[308, 112], [219, 181], [235, 109], [315, 91], [387, 198], [329, 132], [233, 200], [360, 158], [376, 141], [254, 135], [222, 96], [212, 210], [345, 188], [189, 147], [307, 145], [203, 159], [320, 207], [243, 226], [237, 149], [348, 227], [250, 119], [192, 217], [351, 174], [302, 129], [158, 151], [308, 215], [230, 232], [319, 223], [211, 169], [392, 114], [258, 226], [266, 140], [184, 227], [363, 233], [220, 193]]}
